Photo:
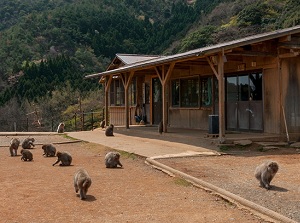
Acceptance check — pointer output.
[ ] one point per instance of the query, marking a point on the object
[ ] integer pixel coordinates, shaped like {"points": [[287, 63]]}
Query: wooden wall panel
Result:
{"points": [[271, 101], [189, 118], [291, 93], [117, 116]]}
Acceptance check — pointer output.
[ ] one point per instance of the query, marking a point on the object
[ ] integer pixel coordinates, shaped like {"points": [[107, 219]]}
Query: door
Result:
{"points": [[244, 110], [156, 101]]}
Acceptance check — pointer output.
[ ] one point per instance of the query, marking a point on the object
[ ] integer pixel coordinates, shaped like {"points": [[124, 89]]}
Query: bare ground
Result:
{"points": [[235, 173], [38, 192]]}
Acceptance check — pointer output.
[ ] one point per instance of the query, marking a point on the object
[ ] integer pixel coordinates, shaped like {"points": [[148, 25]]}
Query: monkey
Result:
{"points": [[82, 182], [64, 157], [26, 155], [61, 128], [265, 173], [14, 145], [112, 160], [109, 131], [49, 150], [102, 124], [28, 143], [160, 127]]}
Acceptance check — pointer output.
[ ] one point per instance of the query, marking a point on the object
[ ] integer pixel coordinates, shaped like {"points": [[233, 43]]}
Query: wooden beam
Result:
{"points": [[127, 80], [288, 55], [169, 72], [290, 45], [158, 74], [212, 67], [107, 86], [252, 54], [221, 97], [287, 38]]}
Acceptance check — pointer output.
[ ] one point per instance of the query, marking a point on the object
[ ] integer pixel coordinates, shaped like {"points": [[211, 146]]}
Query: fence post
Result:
{"points": [[82, 123], [52, 124], [27, 125], [92, 119], [75, 122]]}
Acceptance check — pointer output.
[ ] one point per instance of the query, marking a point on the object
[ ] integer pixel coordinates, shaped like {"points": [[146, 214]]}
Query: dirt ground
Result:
{"points": [[38, 192], [235, 173]]}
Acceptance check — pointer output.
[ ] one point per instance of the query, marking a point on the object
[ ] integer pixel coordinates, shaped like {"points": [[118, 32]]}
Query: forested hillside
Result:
{"points": [[48, 46]]}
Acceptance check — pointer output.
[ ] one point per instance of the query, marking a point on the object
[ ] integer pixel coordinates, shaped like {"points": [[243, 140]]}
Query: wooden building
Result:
{"points": [[250, 84]]}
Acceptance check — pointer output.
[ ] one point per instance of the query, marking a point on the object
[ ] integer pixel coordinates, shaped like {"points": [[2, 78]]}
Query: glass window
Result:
{"points": [[192, 92], [189, 92], [256, 86], [206, 92], [175, 92], [132, 92], [117, 93]]}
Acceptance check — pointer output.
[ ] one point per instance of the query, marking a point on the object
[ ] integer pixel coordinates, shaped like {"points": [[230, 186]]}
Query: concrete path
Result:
{"points": [[146, 143]]}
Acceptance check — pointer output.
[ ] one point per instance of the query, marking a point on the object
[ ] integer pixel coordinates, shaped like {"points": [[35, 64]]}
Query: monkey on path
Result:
{"points": [[49, 150], [112, 160], [102, 124], [26, 155], [109, 131], [82, 182], [61, 128], [265, 172], [160, 127], [14, 145], [28, 143], [64, 157]]}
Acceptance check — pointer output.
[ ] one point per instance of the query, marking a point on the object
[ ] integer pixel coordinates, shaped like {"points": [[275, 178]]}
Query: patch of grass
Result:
{"points": [[68, 137], [128, 155], [260, 148], [224, 148], [182, 182]]}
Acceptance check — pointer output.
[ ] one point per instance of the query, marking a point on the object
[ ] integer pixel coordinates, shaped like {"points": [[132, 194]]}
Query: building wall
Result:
{"points": [[290, 93], [189, 118], [117, 115], [271, 98]]}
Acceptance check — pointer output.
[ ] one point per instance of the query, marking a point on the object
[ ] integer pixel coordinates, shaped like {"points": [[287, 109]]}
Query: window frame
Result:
{"points": [[177, 83]]}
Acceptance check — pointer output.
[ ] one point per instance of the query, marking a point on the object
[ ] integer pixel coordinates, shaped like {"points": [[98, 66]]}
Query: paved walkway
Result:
{"points": [[147, 142]]}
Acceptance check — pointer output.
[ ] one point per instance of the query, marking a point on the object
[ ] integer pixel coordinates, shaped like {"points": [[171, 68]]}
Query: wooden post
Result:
{"points": [[221, 97], [126, 79], [107, 87], [164, 78]]}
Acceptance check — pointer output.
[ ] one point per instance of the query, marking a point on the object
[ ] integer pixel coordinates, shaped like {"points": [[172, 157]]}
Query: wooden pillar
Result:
{"points": [[126, 79], [220, 75], [107, 87], [164, 78], [221, 97]]}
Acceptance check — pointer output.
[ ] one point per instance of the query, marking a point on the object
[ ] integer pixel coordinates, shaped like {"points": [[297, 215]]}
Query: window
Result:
{"points": [[206, 92], [117, 93], [192, 92], [189, 92], [132, 92]]}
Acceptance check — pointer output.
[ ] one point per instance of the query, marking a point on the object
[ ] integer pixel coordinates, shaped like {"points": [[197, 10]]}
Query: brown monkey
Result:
{"points": [[61, 128], [26, 155], [28, 143], [112, 160], [109, 131], [82, 182], [49, 150], [102, 124], [64, 157], [265, 172], [14, 145], [160, 127]]}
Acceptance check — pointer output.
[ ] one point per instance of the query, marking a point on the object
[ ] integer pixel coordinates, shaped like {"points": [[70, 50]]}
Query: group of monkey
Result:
{"points": [[82, 180], [264, 173]]}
